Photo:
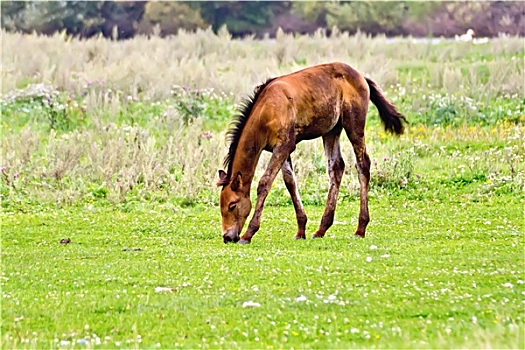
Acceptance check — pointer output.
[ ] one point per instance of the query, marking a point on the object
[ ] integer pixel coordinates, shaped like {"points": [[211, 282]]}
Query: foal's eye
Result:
{"points": [[232, 207]]}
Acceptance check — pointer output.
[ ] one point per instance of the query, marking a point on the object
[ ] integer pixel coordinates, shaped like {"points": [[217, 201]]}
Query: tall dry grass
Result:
{"points": [[151, 65], [163, 158], [123, 163]]}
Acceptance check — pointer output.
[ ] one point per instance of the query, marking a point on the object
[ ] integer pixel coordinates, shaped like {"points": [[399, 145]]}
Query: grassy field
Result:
{"points": [[432, 273], [120, 155]]}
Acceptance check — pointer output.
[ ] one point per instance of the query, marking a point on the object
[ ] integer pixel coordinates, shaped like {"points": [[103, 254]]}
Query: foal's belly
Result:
{"points": [[313, 126]]}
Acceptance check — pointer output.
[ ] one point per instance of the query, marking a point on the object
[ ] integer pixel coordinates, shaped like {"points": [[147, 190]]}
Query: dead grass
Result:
{"points": [[150, 66], [166, 159]]}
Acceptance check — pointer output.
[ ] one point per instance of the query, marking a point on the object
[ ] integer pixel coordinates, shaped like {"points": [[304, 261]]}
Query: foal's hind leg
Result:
{"points": [[362, 165], [291, 185], [336, 168]]}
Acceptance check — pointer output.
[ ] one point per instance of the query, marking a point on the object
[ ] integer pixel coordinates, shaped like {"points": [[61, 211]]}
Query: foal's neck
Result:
{"points": [[246, 157]]}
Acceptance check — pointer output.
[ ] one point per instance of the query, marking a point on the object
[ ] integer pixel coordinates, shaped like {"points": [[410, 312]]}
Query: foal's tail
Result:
{"points": [[391, 118]]}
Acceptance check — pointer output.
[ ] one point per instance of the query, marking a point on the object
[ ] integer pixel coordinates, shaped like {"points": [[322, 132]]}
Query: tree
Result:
{"points": [[241, 17], [170, 17], [122, 15], [47, 17], [12, 13], [312, 11], [83, 18], [371, 17]]}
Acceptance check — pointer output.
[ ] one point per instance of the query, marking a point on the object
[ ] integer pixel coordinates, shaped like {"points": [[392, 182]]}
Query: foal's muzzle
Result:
{"points": [[230, 236]]}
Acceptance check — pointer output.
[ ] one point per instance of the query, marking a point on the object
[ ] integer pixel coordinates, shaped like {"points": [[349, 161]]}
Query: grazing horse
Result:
{"points": [[319, 101]]}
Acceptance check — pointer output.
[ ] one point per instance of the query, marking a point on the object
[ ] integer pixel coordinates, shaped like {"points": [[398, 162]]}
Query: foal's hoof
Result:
{"points": [[299, 237], [359, 235], [243, 241], [315, 235]]}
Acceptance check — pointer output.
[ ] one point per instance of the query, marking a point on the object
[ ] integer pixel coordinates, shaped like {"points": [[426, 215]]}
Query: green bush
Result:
{"points": [[41, 104], [202, 104], [446, 109], [395, 171]]}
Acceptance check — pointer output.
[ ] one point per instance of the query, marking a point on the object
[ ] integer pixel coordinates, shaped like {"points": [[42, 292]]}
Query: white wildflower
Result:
{"points": [[250, 304]]}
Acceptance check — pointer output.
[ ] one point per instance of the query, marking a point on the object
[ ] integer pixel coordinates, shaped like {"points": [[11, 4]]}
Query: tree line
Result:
{"points": [[125, 19]]}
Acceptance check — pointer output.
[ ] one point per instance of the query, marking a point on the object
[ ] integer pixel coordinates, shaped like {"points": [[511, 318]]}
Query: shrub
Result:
{"points": [[394, 171], [205, 104], [43, 104]]}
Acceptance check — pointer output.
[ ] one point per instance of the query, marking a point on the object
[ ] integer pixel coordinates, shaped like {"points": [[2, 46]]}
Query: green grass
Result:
{"points": [[121, 156], [446, 273]]}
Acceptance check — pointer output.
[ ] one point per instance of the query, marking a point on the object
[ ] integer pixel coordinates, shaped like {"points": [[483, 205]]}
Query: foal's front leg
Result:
{"points": [[265, 183], [291, 185]]}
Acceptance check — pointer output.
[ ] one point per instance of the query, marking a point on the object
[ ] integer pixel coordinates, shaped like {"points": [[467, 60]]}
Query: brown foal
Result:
{"points": [[319, 101]]}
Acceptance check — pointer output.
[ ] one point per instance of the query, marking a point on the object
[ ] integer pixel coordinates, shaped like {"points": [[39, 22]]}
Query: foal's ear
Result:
{"points": [[236, 184], [223, 178]]}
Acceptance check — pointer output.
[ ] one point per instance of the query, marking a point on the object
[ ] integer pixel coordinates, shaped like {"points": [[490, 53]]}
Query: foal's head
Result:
{"points": [[235, 206]]}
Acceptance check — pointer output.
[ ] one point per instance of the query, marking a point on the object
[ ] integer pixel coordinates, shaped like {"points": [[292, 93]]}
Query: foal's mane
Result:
{"points": [[238, 123]]}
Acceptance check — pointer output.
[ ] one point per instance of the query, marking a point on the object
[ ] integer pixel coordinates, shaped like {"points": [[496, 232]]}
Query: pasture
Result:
{"points": [[116, 146]]}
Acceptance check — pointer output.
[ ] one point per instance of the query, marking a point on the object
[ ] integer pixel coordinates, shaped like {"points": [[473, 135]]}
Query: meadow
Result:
{"points": [[115, 146]]}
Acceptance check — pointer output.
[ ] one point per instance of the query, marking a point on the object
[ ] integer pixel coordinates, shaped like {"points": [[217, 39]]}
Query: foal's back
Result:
{"points": [[311, 101]]}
